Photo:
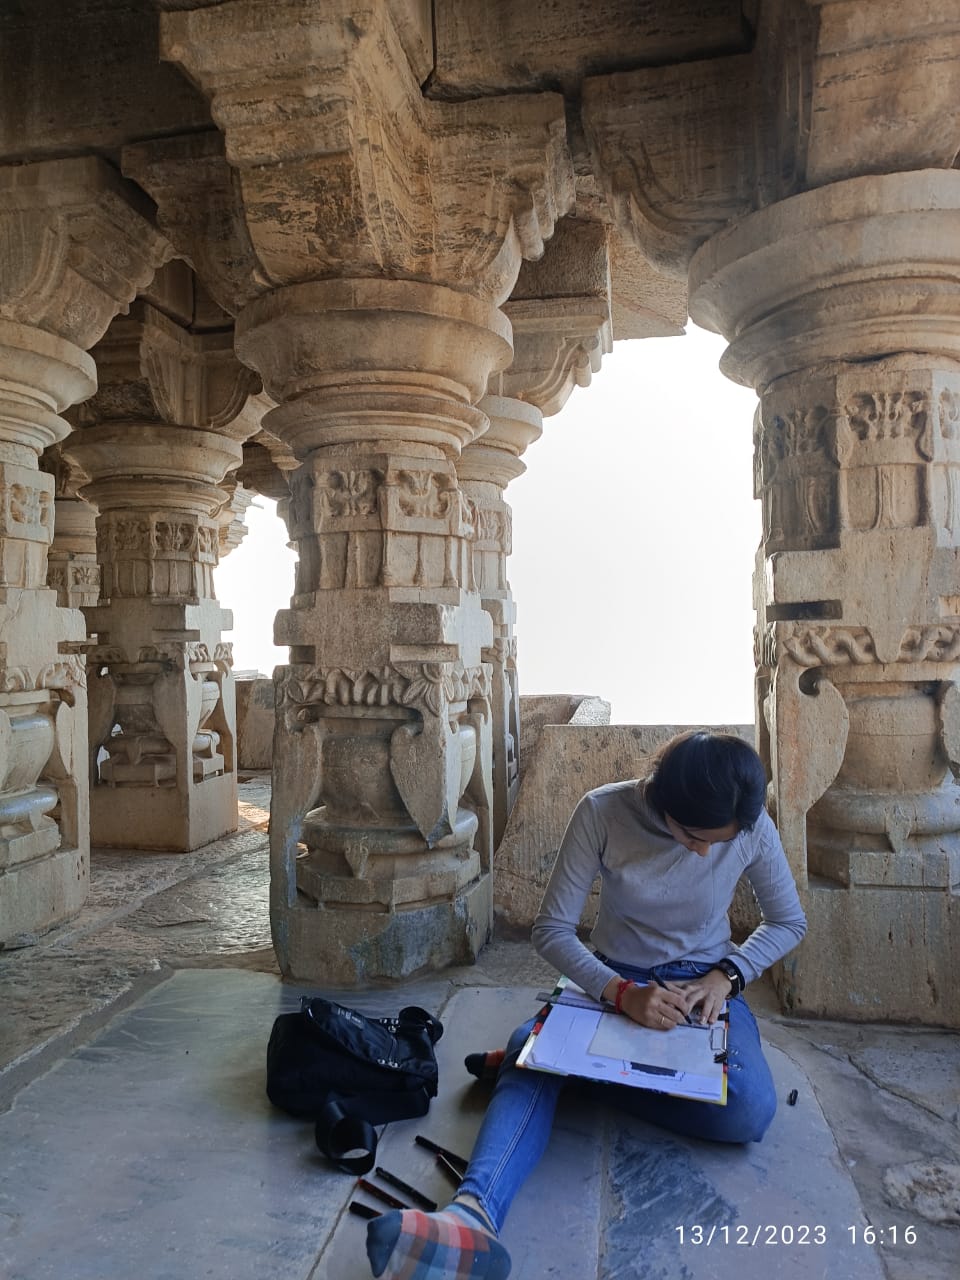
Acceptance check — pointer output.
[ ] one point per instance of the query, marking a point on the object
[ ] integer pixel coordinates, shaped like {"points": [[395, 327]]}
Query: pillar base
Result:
{"points": [[894, 957], [346, 947], [162, 819], [36, 895]]}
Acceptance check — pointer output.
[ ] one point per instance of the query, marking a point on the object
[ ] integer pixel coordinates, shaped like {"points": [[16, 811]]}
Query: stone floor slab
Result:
{"points": [[570, 1175], [153, 1151], [701, 1211]]}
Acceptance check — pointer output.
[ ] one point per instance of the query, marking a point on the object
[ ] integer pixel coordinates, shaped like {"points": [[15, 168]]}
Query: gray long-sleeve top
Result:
{"points": [[660, 902]]}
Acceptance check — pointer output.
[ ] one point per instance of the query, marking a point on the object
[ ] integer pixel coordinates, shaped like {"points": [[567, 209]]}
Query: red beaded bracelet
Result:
{"points": [[622, 986]]}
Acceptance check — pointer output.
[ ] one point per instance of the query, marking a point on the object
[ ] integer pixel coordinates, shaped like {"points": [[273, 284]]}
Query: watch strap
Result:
{"points": [[732, 971]]}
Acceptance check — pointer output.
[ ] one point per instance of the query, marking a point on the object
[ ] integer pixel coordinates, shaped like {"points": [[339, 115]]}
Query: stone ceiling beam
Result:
{"points": [[885, 84], [829, 90], [673, 151], [478, 44]]}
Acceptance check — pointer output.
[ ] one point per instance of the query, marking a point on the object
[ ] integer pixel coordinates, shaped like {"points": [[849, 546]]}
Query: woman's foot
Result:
{"points": [[410, 1245], [484, 1065]]}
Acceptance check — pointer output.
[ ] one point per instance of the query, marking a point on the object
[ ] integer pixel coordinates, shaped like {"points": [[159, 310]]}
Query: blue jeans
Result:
{"points": [[516, 1127]]}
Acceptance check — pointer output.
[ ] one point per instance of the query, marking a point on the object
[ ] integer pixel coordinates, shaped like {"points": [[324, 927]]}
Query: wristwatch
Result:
{"points": [[733, 973]]}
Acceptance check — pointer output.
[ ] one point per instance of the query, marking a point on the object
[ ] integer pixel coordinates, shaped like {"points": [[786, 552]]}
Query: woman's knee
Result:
{"points": [[748, 1119]]}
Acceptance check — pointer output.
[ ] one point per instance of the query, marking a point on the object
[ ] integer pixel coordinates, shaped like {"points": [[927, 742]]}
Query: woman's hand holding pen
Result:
{"points": [[657, 1007], [708, 991]]}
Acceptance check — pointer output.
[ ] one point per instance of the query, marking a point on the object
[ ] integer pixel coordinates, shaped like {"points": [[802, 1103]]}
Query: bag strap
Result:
{"points": [[413, 1016], [338, 1133], [341, 1126]]}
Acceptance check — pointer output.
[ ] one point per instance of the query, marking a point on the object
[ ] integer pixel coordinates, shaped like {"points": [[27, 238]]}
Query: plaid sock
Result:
{"points": [[450, 1245]]}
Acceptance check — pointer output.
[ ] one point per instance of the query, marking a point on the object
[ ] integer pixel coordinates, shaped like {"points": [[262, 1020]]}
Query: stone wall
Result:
{"points": [[559, 764], [255, 717]]}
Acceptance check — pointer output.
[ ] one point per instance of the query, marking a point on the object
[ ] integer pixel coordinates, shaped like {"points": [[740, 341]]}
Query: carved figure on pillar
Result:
{"points": [[156, 441], [74, 248], [371, 310]]}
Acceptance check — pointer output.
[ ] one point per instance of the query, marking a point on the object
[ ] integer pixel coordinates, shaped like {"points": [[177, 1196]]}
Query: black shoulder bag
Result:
{"points": [[349, 1072]]}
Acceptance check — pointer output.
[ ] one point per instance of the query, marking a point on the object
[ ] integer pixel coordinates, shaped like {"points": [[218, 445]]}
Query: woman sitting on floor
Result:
{"points": [[669, 851]]}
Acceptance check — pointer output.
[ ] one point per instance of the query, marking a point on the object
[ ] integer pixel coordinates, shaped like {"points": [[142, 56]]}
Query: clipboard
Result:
{"points": [[575, 1035]]}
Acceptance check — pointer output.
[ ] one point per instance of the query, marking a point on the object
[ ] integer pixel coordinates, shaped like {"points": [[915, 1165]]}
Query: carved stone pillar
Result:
{"points": [[156, 441], [560, 313], [72, 568], [367, 264], [842, 306], [231, 518], [386, 630], [485, 468], [73, 250]]}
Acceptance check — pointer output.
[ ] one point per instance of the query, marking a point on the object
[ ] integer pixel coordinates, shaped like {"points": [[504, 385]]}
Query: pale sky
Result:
{"points": [[634, 534]]}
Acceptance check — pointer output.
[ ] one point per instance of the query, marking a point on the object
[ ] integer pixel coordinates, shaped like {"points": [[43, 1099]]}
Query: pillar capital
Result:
{"points": [[857, 269], [345, 169], [560, 313], [76, 245], [374, 360], [496, 456], [159, 466], [72, 569], [267, 464], [42, 375], [232, 515], [152, 369]]}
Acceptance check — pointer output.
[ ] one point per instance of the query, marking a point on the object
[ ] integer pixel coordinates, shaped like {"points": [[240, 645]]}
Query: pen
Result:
{"points": [[363, 1210], [450, 1169], [416, 1196], [541, 1018], [379, 1194], [686, 1017], [437, 1150]]}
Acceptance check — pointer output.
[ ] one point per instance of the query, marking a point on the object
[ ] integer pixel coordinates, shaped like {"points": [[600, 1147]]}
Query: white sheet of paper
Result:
{"points": [[599, 1045], [681, 1049]]}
